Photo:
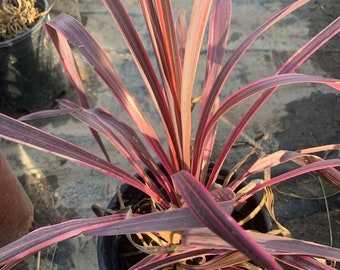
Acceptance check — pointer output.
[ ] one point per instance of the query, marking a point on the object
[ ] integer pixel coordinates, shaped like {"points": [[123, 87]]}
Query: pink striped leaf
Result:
{"points": [[275, 245], [289, 66], [134, 43], [315, 166], [217, 41], [198, 21], [64, 27], [161, 261], [304, 262], [330, 174], [127, 141], [206, 210], [219, 28], [227, 69], [246, 92], [170, 220], [19, 132]]}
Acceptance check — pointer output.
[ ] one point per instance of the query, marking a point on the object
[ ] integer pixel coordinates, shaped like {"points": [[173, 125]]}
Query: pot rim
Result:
{"points": [[107, 246]]}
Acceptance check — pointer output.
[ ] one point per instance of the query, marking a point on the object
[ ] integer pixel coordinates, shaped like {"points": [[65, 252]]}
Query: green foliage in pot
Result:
{"points": [[189, 202], [17, 16]]}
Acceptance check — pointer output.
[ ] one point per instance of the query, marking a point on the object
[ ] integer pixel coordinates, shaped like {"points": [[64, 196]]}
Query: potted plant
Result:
{"points": [[16, 213], [27, 57], [188, 222]]}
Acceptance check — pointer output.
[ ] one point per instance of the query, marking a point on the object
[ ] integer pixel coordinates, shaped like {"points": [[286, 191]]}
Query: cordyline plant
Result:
{"points": [[188, 201]]}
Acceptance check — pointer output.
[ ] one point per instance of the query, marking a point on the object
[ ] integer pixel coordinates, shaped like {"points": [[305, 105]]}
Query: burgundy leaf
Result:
{"points": [[269, 161], [218, 34], [182, 32], [131, 37], [45, 114], [74, 76], [46, 236], [331, 175], [219, 27], [68, 29], [160, 261], [226, 70], [128, 144], [177, 219], [304, 262], [289, 66], [315, 166], [171, 220], [207, 211], [158, 17], [19, 132], [275, 245], [244, 93], [161, 26]]}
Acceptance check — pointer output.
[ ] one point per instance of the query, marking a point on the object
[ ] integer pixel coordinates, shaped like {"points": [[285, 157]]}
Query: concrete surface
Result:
{"points": [[293, 118]]}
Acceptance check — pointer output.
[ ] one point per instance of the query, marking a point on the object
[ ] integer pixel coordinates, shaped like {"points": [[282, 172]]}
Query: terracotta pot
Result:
{"points": [[111, 248], [16, 211]]}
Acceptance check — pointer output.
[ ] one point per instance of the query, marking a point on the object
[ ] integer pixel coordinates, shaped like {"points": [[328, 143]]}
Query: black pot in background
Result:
{"points": [[31, 75], [110, 248]]}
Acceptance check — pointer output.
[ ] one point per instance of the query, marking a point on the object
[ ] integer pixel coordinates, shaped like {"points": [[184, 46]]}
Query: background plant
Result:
{"points": [[190, 190], [17, 16]]}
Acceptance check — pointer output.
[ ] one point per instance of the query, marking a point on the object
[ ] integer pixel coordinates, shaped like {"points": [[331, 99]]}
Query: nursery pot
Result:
{"points": [[31, 75], [16, 211], [112, 250]]}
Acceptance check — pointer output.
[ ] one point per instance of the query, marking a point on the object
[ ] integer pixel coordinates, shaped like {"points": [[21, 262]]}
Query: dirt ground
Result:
{"points": [[309, 206]]}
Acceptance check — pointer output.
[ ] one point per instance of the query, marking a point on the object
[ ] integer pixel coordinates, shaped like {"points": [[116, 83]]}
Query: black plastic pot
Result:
{"points": [[31, 75], [111, 248]]}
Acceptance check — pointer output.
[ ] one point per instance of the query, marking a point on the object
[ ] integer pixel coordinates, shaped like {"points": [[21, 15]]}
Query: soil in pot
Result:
{"points": [[31, 75], [116, 252]]}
